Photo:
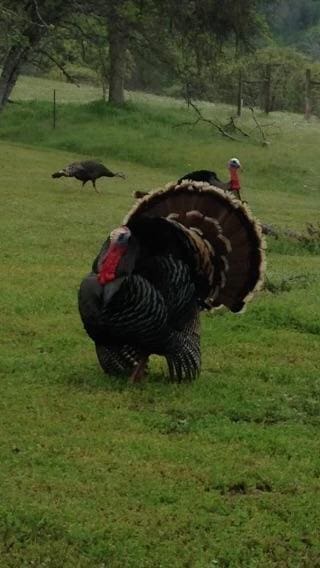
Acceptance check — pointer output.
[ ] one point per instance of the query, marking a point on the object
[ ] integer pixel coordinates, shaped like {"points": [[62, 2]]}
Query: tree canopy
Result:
{"points": [[190, 47]]}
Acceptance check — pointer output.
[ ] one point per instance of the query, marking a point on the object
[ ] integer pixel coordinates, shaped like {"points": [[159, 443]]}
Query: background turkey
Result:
{"points": [[206, 176], [180, 250], [88, 170], [211, 178]]}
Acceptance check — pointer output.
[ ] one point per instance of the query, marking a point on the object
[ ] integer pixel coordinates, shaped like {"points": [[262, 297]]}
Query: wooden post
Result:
{"points": [[267, 89], [239, 94], [307, 103], [54, 112]]}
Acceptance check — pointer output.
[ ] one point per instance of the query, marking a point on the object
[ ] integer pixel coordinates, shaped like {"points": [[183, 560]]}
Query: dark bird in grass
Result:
{"points": [[207, 176], [180, 250], [210, 177], [88, 170]]}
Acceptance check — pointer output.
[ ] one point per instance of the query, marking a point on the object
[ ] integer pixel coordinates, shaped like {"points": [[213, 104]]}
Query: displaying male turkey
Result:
{"points": [[180, 250], [88, 170]]}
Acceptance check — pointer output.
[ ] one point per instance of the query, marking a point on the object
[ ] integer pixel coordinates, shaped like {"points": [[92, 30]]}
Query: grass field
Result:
{"points": [[97, 473]]}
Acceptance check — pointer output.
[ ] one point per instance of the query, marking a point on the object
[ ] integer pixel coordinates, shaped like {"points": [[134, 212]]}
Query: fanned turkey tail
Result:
{"points": [[222, 237]]}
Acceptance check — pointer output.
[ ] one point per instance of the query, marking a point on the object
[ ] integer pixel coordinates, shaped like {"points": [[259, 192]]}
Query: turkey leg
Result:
{"points": [[95, 187], [138, 373]]}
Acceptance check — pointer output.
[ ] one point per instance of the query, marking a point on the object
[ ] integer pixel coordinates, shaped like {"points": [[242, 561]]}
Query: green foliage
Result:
{"points": [[288, 74], [309, 42], [289, 18], [185, 49], [288, 70]]}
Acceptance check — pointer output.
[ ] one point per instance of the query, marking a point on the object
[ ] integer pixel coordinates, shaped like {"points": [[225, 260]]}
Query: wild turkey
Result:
{"points": [[206, 176], [88, 170], [180, 250], [211, 178], [198, 175]]}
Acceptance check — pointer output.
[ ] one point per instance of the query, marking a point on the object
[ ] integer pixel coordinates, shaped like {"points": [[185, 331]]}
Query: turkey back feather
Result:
{"points": [[218, 235]]}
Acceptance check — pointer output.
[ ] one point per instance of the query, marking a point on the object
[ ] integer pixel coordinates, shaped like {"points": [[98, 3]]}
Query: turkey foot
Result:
{"points": [[138, 373]]}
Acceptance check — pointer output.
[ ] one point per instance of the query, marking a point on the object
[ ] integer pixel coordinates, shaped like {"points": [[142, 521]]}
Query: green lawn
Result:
{"points": [[97, 473]]}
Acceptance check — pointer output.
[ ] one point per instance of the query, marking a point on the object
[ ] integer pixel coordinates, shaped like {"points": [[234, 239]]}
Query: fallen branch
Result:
{"points": [[201, 118], [310, 235], [265, 142], [187, 123], [232, 125], [270, 230]]}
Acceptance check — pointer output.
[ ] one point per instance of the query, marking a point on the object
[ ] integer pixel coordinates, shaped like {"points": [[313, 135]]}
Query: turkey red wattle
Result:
{"points": [[108, 270], [234, 178]]}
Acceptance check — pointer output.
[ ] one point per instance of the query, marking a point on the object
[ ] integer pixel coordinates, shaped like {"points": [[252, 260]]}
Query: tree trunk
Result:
{"points": [[307, 104], [10, 72], [239, 93], [117, 46], [34, 27], [267, 89]]}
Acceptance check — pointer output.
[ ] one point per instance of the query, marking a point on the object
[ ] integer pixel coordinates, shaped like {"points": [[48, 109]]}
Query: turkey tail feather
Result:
{"points": [[225, 240]]}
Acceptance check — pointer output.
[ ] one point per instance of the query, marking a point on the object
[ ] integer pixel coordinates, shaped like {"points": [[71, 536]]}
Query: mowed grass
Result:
{"points": [[96, 472]]}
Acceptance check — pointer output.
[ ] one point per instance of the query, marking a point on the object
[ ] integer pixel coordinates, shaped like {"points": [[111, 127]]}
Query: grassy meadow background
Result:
{"points": [[223, 472]]}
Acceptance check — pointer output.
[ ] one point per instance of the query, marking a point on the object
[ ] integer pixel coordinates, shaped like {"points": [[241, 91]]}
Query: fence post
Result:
{"points": [[54, 112], [307, 103], [267, 92], [239, 94]]}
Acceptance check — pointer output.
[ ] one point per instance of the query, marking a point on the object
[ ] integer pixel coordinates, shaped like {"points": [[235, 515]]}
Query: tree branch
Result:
{"points": [[232, 125], [61, 67], [36, 7], [95, 38]]}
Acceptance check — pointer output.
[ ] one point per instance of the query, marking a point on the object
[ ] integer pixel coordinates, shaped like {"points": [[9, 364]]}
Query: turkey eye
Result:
{"points": [[124, 238]]}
